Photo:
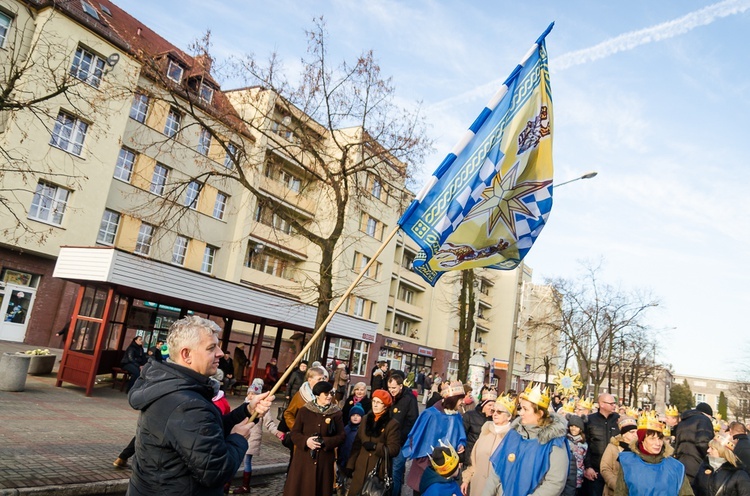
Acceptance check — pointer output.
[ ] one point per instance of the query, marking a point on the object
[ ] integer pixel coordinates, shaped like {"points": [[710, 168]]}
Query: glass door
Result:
{"points": [[16, 303]]}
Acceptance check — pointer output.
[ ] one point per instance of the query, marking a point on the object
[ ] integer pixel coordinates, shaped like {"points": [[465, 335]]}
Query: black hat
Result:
{"points": [[705, 408], [575, 420], [322, 387]]}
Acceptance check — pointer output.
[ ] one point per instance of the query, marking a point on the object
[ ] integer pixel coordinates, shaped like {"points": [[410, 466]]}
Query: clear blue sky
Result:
{"points": [[652, 95]]}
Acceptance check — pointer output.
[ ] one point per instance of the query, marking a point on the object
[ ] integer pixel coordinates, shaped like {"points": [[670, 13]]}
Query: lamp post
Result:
{"points": [[588, 175]]}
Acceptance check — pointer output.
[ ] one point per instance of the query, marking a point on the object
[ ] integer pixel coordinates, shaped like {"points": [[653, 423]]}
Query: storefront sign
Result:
{"points": [[368, 337], [392, 343], [498, 364], [425, 351]]}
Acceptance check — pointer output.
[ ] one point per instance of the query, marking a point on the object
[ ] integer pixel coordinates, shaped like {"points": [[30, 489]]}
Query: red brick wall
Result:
{"points": [[54, 301]]}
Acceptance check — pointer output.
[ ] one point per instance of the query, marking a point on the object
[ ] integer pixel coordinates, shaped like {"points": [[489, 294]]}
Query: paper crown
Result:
{"points": [[632, 412], [725, 441], [584, 403], [449, 463], [672, 411], [649, 421], [716, 422], [489, 395], [535, 394], [508, 402], [569, 406], [455, 388]]}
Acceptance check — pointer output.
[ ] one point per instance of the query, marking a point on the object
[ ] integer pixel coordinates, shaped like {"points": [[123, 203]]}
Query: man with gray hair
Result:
{"points": [[183, 444]]}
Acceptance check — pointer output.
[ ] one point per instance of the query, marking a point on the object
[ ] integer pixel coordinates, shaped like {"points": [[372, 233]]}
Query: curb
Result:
{"points": [[119, 486]]}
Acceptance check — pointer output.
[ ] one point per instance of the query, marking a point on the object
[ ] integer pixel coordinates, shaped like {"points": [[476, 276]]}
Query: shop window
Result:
{"points": [[360, 352]]}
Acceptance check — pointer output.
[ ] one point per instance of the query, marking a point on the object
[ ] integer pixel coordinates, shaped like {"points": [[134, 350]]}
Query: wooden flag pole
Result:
{"points": [[321, 330]]}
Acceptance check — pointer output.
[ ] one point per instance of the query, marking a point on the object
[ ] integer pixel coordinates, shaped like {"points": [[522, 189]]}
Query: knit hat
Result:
{"points": [[626, 424], [357, 410], [576, 421], [322, 387], [257, 386], [383, 396], [705, 408]]}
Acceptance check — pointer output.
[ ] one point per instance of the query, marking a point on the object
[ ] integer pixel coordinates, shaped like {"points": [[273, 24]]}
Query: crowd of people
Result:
{"points": [[359, 441]]}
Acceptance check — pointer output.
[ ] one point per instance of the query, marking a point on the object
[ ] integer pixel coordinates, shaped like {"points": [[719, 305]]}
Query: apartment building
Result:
{"points": [[708, 390], [133, 215]]}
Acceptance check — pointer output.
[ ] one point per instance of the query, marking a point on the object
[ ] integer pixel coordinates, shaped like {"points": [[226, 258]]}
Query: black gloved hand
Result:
{"points": [[369, 445]]}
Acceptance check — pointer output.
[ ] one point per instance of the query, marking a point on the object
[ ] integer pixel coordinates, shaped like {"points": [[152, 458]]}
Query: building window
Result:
{"points": [[174, 72], [360, 307], [69, 133], [209, 254], [88, 67], [452, 371], [124, 167], [359, 357], [231, 156], [5, 21], [402, 327], [108, 228], [207, 93], [407, 261], [49, 203], [172, 127], [371, 226], [267, 216], [139, 108], [700, 398], [204, 141], [268, 261], [179, 250], [361, 260], [277, 173], [220, 205], [191, 194], [145, 238], [159, 179], [405, 294]]}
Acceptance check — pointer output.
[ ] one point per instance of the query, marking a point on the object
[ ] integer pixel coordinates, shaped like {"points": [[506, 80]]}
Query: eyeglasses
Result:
{"points": [[329, 393], [608, 403]]}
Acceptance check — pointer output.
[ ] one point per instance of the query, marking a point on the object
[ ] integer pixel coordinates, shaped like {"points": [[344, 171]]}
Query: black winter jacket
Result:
{"points": [[296, 378], [707, 481], [183, 445], [599, 430], [134, 354], [691, 440], [742, 449], [473, 422], [405, 411]]}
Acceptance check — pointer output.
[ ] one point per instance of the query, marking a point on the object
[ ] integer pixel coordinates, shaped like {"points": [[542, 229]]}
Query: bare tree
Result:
{"points": [[596, 316]]}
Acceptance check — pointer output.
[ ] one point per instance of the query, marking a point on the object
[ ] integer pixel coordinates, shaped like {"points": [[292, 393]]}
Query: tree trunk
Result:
{"points": [[467, 302], [325, 296]]}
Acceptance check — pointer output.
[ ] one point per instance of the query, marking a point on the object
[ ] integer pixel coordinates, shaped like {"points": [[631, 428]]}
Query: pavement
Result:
{"points": [[57, 441]]}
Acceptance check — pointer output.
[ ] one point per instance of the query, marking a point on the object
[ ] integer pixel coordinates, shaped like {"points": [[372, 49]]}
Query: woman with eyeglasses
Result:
{"points": [[648, 468], [377, 432], [318, 430], [475, 475]]}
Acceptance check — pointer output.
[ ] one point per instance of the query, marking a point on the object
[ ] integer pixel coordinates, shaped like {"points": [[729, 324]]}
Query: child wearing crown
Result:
{"points": [[648, 468], [439, 479], [533, 458]]}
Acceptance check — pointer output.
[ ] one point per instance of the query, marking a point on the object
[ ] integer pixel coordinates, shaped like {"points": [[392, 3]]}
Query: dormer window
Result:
{"points": [[207, 93], [174, 71]]}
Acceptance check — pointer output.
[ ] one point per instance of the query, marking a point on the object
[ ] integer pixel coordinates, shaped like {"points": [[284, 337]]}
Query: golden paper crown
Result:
{"points": [[667, 431], [536, 395], [672, 411], [725, 441], [632, 412], [649, 421], [449, 463], [584, 403], [489, 395], [508, 402], [570, 406], [716, 423], [455, 388]]}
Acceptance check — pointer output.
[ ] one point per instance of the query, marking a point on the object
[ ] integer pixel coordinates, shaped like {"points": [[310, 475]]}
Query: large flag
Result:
{"points": [[489, 199]]}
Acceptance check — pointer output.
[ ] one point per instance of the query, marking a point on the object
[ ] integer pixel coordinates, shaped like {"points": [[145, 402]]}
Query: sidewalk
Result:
{"points": [[56, 441]]}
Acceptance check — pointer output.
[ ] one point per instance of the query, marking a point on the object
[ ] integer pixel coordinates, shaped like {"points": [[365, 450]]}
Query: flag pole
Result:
{"points": [[321, 330]]}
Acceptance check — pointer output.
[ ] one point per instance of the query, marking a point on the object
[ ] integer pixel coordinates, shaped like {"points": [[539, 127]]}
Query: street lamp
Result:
{"points": [[588, 175]]}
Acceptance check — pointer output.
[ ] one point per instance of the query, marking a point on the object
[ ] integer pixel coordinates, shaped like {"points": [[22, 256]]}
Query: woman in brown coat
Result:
{"points": [[377, 432], [318, 430]]}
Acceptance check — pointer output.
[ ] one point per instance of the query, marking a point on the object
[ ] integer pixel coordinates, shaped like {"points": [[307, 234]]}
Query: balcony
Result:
{"points": [[411, 312], [290, 244], [296, 201]]}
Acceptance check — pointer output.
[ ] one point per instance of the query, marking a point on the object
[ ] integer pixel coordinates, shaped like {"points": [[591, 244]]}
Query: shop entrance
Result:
{"points": [[16, 303]]}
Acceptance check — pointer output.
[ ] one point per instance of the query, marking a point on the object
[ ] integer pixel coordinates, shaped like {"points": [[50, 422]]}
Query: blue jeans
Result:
{"points": [[399, 467]]}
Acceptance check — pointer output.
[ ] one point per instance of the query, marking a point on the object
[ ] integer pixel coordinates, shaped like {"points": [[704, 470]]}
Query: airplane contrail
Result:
{"points": [[621, 43]]}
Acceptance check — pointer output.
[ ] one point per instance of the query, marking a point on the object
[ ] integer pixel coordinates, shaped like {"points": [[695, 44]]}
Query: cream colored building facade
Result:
{"points": [[117, 164]]}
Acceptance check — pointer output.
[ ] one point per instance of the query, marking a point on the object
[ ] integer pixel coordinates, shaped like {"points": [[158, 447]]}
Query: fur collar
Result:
{"points": [[375, 429], [545, 434], [314, 408], [489, 428]]}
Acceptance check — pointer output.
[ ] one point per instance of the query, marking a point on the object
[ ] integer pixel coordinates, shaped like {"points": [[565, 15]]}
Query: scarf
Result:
{"points": [[716, 462], [378, 415], [356, 399], [306, 391], [320, 408]]}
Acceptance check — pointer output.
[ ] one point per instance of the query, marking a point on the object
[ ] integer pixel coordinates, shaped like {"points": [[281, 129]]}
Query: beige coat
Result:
{"points": [[610, 467], [487, 442], [256, 433]]}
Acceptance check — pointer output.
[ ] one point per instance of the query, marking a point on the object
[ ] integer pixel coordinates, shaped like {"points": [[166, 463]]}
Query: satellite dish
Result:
{"points": [[113, 59]]}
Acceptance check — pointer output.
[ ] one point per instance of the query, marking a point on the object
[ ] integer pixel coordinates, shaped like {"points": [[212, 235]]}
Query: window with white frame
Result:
{"points": [[139, 108], [220, 205], [108, 228], [49, 203], [179, 250], [452, 371], [265, 215], [145, 238], [376, 187], [361, 260], [69, 133], [191, 194], [360, 352], [360, 307], [5, 21], [174, 119], [174, 71], [700, 398], [231, 155], [269, 261], [124, 166], [206, 93], [204, 141], [159, 179], [88, 67], [405, 294], [209, 255], [402, 326], [371, 226]]}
